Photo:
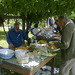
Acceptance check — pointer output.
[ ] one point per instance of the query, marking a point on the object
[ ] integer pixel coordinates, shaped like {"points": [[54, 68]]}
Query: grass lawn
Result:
{"points": [[3, 41], [4, 44]]}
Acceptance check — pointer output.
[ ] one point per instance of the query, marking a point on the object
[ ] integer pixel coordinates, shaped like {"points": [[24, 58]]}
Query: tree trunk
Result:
{"points": [[23, 23], [28, 27], [4, 30]]}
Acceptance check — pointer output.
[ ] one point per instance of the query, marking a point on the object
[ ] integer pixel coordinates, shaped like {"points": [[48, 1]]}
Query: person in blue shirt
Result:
{"points": [[15, 37], [51, 21]]}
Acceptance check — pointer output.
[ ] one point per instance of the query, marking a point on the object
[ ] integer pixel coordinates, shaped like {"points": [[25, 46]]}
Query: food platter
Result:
{"points": [[50, 54], [53, 50], [58, 38], [44, 53]]}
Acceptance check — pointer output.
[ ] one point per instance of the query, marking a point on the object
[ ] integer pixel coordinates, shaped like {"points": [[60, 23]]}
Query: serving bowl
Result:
{"points": [[20, 53], [6, 53]]}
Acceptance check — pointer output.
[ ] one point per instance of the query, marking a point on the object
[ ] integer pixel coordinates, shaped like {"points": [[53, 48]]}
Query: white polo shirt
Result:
{"points": [[35, 31]]}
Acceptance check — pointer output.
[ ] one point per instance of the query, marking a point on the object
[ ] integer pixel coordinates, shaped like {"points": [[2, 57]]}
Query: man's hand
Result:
{"points": [[11, 46], [1, 47]]}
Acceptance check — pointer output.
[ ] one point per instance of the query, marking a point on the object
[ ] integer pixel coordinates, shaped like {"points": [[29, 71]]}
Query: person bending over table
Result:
{"points": [[67, 46], [15, 37]]}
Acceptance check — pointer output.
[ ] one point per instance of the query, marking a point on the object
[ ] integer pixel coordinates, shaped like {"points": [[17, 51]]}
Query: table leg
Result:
{"points": [[52, 67], [1, 72]]}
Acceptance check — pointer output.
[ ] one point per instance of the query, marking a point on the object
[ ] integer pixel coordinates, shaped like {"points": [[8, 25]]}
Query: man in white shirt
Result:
{"points": [[35, 31]]}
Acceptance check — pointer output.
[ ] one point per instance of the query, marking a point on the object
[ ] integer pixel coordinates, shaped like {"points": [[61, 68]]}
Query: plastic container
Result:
{"points": [[23, 60], [20, 53]]}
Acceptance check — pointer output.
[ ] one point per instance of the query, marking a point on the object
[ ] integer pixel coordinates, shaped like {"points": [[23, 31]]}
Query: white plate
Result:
{"points": [[53, 50], [49, 54], [58, 38], [45, 54]]}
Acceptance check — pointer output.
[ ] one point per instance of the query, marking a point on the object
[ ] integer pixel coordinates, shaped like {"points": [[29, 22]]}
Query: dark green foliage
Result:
{"points": [[35, 10]]}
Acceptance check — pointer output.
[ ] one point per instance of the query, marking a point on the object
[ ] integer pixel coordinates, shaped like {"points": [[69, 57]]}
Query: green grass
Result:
{"points": [[3, 41]]}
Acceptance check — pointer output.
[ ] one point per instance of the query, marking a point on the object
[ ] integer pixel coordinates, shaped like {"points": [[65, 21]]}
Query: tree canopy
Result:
{"points": [[35, 10]]}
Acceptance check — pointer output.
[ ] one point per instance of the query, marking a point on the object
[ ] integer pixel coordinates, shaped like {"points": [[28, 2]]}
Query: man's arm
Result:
{"points": [[11, 46], [8, 38], [65, 39], [25, 37], [37, 33]]}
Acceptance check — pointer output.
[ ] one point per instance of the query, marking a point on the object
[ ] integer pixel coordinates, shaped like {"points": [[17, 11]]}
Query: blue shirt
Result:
{"points": [[50, 21], [16, 38]]}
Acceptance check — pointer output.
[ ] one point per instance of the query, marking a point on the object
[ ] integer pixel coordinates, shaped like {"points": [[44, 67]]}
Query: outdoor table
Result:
{"points": [[25, 69]]}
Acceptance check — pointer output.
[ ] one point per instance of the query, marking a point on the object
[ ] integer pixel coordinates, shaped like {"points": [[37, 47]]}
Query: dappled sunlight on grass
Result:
{"points": [[1, 29], [3, 43], [2, 37], [30, 35]]}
